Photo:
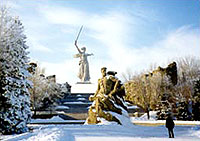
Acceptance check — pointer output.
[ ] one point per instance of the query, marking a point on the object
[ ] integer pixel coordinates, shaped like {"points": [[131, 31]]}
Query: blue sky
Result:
{"points": [[123, 35]]}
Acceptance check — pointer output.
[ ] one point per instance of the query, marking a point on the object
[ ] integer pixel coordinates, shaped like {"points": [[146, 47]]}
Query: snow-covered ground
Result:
{"points": [[143, 120], [55, 119], [104, 132], [112, 132], [152, 115]]}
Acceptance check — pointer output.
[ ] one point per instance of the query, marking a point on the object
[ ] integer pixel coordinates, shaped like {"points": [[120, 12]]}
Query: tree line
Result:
{"points": [[45, 91], [175, 91]]}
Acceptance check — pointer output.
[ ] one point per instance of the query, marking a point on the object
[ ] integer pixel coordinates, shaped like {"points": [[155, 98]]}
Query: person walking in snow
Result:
{"points": [[170, 125]]}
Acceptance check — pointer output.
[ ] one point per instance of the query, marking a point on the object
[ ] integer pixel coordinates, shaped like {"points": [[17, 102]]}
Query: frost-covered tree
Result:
{"points": [[52, 95], [38, 89], [180, 97], [188, 68], [146, 92], [188, 74], [14, 95], [45, 91], [128, 75]]}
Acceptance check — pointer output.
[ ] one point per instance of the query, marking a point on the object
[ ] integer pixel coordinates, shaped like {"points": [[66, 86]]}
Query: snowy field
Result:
{"points": [[104, 133], [112, 132]]}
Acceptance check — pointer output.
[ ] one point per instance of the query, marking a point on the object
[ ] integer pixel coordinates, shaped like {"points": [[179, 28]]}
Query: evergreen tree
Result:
{"points": [[165, 106], [196, 101], [188, 72], [14, 95], [183, 111]]}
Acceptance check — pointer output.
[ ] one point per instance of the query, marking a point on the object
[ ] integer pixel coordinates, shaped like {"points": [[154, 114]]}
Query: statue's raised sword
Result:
{"points": [[79, 33]]}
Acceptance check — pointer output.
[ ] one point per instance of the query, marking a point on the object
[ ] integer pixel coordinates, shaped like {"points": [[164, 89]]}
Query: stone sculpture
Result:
{"points": [[108, 102], [84, 74]]}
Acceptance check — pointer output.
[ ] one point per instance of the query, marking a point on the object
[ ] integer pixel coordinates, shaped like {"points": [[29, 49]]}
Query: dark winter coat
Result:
{"points": [[169, 123]]}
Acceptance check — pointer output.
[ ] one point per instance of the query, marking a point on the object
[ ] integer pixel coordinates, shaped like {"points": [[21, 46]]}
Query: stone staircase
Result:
{"points": [[77, 102], [75, 106]]}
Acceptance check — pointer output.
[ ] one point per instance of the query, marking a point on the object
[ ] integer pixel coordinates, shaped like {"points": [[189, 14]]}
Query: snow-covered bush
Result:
{"points": [[14, 95]]}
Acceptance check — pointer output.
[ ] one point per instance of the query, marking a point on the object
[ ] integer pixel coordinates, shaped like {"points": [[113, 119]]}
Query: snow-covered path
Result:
{"points": [[104, 133]]}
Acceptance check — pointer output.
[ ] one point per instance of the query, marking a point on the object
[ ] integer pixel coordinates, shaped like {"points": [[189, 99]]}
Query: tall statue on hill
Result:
{"points": [[84, 73]]}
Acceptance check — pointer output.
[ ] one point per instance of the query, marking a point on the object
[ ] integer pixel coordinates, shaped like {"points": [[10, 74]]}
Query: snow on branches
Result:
{"points": [[14, 95]]}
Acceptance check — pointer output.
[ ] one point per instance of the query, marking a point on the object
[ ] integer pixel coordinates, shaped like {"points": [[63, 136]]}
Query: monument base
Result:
{"points": [[84, 87], [88, 82]]}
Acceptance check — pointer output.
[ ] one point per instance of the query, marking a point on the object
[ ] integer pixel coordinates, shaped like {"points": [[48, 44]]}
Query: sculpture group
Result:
{"points": [[108, 99]]}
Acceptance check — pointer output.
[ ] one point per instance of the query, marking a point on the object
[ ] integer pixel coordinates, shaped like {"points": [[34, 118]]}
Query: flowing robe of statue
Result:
{"points": [[84, 73]]}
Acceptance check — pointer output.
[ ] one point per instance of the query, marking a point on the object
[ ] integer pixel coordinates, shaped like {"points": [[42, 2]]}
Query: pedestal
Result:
{"points": [[84, 82], [84, 87]]}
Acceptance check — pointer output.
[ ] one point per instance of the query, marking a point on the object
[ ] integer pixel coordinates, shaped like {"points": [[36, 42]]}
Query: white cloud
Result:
{"points": [[105, 28], [63, 15], [64, 70], [182, 42], [111, 29], [36, 46]]}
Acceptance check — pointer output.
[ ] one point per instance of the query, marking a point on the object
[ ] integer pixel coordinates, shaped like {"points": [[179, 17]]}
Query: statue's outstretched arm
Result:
{"points": [[77, 46], [91, 54]]}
